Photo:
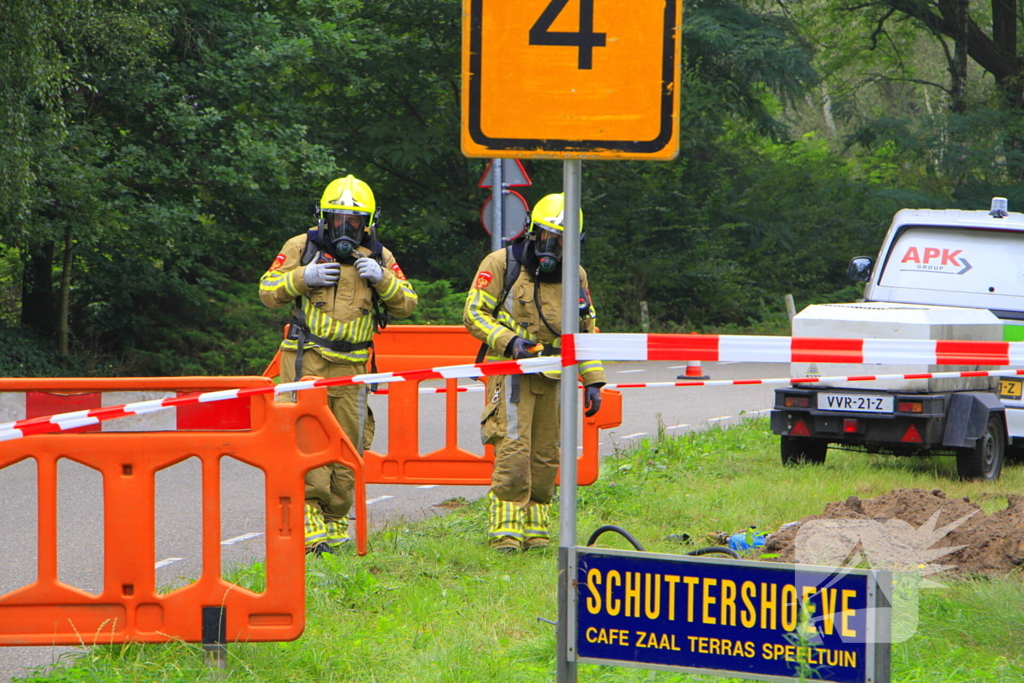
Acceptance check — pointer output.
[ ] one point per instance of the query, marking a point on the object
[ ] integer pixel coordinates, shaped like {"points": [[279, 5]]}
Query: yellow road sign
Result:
{"points": [[571, 78]]}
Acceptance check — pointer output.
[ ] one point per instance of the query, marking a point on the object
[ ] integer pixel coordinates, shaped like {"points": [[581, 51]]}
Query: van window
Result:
{"points": [[957, 267]]}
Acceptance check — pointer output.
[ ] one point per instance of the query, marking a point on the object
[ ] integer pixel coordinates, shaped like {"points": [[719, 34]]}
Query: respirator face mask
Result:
{"points": [[548, 247], [345, 230]]}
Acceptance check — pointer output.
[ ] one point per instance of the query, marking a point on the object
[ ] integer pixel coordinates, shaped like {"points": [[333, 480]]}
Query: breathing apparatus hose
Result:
{"points": [[617, 529], [636, 544]]}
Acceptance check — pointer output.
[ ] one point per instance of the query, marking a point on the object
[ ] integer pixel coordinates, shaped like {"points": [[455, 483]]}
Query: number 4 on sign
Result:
{"points": [[585, 38]]}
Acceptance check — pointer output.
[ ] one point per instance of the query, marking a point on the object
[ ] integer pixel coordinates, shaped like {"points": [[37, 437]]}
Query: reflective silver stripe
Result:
{"points": [[361, 407], [511, 413]]}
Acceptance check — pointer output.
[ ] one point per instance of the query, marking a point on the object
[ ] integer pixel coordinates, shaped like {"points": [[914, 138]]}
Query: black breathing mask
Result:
{"points": [[343, 230], [548, 248]]}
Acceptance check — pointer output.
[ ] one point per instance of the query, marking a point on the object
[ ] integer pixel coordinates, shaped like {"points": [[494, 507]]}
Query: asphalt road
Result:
{"points": [[676, 410]]}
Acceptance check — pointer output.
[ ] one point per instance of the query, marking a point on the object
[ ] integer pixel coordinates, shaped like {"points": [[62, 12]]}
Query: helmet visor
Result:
{"points": [[549, 243], [345, 228], [347, 223]]}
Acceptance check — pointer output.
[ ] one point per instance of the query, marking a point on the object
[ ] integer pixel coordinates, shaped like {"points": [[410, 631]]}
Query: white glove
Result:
{"points": [[322, 274], [370, 269]]}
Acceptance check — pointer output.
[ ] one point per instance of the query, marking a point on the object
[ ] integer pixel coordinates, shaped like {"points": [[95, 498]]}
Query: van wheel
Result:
{"points": [[985, 460], [796, 450]]}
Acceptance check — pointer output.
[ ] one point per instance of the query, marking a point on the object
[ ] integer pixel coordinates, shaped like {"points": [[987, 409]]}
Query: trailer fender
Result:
{"points": [[968, 417]]}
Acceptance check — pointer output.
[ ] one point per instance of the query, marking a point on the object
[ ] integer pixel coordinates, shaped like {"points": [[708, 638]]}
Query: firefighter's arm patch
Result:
{"points": [[277, 262], [398, 271], [483, 278]]}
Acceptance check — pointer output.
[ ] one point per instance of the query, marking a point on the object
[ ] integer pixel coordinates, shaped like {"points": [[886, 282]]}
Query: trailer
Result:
{"points": [[940, 274]]}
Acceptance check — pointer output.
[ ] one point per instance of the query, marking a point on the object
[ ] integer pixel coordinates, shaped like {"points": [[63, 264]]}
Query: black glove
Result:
{"points": [[592, 399], [520, 348]]}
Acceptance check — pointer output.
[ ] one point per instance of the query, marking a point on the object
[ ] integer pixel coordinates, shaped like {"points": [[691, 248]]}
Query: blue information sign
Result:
{"points": [[755, 620]]}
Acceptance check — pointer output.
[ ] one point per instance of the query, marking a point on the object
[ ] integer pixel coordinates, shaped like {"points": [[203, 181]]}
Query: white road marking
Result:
{"points": [[676, 427], [169, 560], [427, 486], [716, 419], [676, 367], [243, 537], [377, 499], [631, 436], [626, 372]]}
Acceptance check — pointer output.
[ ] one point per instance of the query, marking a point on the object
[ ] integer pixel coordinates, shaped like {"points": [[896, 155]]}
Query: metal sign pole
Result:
{"points": [[571, 182], [497, 200]]}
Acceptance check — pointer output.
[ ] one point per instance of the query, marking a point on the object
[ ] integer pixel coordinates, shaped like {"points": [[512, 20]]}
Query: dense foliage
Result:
{"points": [[157, 154]]}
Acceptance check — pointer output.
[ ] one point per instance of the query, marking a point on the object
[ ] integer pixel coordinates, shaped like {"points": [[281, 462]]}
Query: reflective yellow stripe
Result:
{"points": [[505, 518], [392, 287], [535, 524], [480, 303], [275, 280], [408, 291], [355, 332], [315, 528]]}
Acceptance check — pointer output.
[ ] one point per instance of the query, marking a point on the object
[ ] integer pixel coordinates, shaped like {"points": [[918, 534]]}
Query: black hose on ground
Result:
{"points": [[617, 529], [716, 549], [710, 550]]}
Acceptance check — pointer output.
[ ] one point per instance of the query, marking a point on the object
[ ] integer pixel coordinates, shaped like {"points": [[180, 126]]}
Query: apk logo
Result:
{"points": [[935, 259]]}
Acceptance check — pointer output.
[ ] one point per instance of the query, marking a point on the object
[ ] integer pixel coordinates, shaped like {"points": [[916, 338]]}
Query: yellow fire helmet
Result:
{"points": [[349, 194], [347, 211], [549, 213]]}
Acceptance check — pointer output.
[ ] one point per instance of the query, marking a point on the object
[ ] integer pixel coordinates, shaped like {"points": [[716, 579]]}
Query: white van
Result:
{"points": [[939, 275]]}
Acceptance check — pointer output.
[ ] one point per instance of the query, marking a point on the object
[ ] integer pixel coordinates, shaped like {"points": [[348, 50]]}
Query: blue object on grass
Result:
{"points": [[739, 541]]}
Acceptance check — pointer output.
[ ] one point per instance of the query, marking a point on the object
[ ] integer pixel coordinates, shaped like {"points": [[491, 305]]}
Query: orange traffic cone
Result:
{"points": [[693, 371]]}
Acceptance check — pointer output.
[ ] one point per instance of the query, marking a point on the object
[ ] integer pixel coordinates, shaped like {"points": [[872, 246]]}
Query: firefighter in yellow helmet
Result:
{"points": [[515, 309], [343, 285]]}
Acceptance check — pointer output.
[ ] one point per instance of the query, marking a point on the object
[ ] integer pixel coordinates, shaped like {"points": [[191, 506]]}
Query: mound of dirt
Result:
{"points": [[907, 526]]}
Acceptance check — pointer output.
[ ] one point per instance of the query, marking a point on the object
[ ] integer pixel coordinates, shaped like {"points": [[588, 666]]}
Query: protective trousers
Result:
{"points": [[521, 420], [329, 489]]}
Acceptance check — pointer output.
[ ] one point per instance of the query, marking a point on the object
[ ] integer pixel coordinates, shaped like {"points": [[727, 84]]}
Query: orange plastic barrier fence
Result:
{"points": [[284, 440], [415, 347]]}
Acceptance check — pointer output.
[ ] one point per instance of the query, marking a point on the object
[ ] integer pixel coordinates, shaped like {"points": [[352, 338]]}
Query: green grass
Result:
{"points": [[430, 603]]}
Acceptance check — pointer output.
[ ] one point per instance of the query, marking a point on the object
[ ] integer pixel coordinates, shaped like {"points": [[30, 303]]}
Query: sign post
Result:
{"points": [[590, 79], [510, 213], [497, 204], [571, 181]]}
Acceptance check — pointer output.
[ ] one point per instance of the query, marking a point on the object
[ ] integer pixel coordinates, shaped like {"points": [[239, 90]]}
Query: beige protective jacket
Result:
{"points": [[340, 312], [519, 314]]}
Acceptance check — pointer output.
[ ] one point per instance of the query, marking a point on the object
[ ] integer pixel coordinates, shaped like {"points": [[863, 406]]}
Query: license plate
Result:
{"points": [[1010, 388], [855, 403]]}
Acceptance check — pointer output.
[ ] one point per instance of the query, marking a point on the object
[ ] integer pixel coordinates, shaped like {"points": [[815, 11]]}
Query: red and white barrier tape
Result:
{"points": [[817, 380], [85, 418], [755, 349], [614, 346], [478, 388]]}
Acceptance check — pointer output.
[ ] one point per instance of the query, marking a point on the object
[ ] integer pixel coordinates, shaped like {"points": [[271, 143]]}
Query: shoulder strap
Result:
{"points": [[512, 268], [310, 250]]}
